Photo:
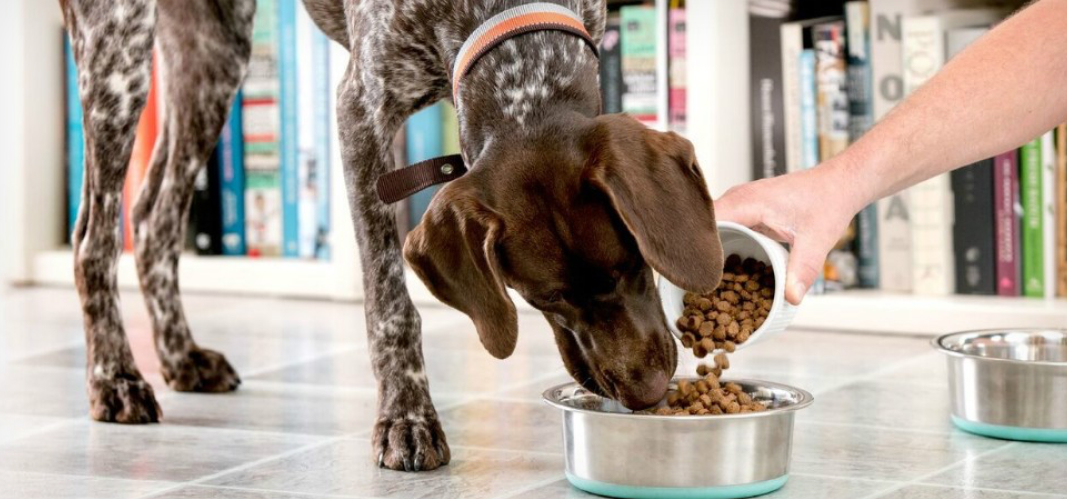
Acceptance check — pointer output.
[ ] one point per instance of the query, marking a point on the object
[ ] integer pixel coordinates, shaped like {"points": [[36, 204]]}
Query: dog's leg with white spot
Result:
{"points": [[407, 434], [204, 48], [112, 44]]}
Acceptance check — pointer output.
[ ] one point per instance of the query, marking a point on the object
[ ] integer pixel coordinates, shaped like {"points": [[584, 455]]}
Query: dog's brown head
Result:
{"points": [[573, 223]]}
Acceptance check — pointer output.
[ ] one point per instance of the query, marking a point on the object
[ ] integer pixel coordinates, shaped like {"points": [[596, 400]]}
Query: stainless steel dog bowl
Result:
{"points": [[1008, 384], [612, 451]]}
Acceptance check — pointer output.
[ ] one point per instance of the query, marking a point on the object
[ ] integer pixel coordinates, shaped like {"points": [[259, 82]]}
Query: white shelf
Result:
{"points": [[248, 276]]}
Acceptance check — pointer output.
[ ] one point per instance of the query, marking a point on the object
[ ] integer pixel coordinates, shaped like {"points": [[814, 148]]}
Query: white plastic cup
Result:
{"points": [[744, 242]]}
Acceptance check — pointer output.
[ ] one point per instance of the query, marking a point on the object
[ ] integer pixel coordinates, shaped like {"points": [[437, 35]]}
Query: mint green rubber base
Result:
{"points": [[1011, 432], [725, 492]]}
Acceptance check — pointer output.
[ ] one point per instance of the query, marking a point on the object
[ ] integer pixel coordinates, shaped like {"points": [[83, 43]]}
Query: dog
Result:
{"points": [[571, 209]]}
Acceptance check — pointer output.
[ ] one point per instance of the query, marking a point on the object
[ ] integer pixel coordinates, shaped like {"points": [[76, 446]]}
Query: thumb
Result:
{"points": [[737, 205], [806, 259]]}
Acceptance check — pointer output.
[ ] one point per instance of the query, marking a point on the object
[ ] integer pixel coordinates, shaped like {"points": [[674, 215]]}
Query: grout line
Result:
{"points": [[303, 360], [919, 431], [969, 488], [875, 374], [918, 480], [530, 487], [272, 491], [44, 351], [44, 429], [851, 478]]}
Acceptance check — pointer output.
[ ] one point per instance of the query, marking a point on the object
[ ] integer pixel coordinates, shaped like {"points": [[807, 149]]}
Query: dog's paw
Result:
{"points": [[410, 442], [202, 370], [127, 400]]}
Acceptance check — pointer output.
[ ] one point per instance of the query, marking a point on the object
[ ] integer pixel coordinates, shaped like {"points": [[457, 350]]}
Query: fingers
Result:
{"points": [[740, 205], [806, 260]]}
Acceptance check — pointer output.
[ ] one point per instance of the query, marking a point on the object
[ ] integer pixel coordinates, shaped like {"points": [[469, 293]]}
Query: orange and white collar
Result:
{"points": [[538, 16]]}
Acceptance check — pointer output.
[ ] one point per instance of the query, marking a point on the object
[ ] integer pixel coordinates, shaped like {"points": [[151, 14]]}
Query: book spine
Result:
{"points": [[1006, 201], [424, 141], [1048, 212], [320, 51], [792, 36], [639, 46], [232, 183], [833, 105], [894, 243], [1061, 210], [860, 119], [75, 139], [289, 139], [611, 67], [206, 210], [140, 158], [676, 64], [260, 120], [923, 49], [809, 120], [308, 160], [1032, 231], [767, 104], [974, 240]]}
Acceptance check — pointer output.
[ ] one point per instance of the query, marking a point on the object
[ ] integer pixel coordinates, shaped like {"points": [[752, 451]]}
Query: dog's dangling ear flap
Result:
{"points": [[454, 252], [655, 185]]}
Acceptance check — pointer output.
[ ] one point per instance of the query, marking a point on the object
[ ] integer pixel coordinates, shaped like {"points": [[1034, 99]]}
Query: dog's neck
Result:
{"points": [[523, 88]]}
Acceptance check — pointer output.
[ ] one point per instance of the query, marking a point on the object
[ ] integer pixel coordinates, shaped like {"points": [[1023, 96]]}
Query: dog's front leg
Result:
{"points": [[407, 434]]}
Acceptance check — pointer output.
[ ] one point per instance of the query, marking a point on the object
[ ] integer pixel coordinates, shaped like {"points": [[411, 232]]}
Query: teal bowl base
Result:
{"points": [[724, 492], [1047, 435]]}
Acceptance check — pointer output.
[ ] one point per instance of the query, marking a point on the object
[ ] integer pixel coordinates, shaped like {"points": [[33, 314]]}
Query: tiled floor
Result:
{"points": [[298, 425]]}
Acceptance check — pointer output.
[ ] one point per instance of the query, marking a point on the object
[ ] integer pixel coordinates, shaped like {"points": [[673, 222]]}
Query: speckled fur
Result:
{"points": [[207, 44], [401, 55]]}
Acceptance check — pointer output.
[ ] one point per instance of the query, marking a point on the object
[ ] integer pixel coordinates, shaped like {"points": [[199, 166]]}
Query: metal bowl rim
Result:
{"points": [[978, 333], [805, 399]]}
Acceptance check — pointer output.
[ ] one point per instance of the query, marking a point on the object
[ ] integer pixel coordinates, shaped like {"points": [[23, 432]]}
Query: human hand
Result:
{"points": [[808, 209]]}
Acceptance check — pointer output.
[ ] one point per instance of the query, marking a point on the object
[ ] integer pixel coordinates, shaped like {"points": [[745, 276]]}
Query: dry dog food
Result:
{"points": [[721, 320], [727, 316]]}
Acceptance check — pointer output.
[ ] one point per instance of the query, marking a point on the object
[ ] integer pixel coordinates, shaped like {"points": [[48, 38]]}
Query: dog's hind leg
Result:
{"points": [[112, 44], [205, 47]]}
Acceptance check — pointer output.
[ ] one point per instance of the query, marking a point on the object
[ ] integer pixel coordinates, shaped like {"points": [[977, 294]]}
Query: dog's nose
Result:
{"points": [[644, 392]]}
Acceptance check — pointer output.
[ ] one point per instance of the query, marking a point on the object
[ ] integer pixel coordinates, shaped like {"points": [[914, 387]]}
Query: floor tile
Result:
{"points": [[1023, 467], [798, 487], [48, 486], [880, 454], [930, 492], [347, 468], [928, 369], [901, 406], [14, 426], [828, 354], [151, 452], [43, 391], [499, 424], [449, 372], [207, 492]]}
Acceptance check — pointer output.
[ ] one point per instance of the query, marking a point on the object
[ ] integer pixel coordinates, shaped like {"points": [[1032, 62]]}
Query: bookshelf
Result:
{"points": [[32, 189]]}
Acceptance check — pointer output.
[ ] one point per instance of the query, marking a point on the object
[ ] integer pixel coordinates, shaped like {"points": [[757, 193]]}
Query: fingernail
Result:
{"points": [[799, 290]]}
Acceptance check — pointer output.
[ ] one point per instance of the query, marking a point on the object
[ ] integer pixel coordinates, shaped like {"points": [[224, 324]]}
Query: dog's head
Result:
{"points": [[575, 224]]}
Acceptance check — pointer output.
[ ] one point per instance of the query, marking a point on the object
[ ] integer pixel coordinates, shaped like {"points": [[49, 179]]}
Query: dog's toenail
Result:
{"points": [[418, 461], [407, 464], [381, 459]]}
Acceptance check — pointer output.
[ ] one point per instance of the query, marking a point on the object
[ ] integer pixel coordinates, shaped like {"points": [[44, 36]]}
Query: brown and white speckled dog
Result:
{"points": [[569, 209]]}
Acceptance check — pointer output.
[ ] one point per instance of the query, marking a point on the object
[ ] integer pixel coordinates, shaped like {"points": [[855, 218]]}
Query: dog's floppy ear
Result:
{"points": [[655, 185], [454, 252]]}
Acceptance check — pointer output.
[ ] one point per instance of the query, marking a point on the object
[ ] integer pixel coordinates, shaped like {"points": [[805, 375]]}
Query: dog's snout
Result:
{"points": [[643, 391]]}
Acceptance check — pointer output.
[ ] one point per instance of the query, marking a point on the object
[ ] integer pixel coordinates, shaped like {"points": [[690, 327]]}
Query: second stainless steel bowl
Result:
{"points": [[611, 451], [1009, 384]]}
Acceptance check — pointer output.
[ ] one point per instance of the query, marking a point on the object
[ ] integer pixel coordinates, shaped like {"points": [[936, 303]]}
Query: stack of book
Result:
{"points": [[998, 227]]}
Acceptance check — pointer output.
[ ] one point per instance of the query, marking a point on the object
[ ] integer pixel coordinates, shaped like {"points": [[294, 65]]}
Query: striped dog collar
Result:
{"points": [[539, 16]]}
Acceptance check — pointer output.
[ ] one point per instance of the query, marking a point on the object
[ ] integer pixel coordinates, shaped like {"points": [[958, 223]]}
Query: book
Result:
{"points": [[322, 93], [639, 53], [894, 243], [973, 231], [676, 64], [288, 140], [1008, 211], [887, 64], [795, 39], [310, 105], [923, 41], [831, 78], [141, 156], [1061, 210], [1033, 259], [1048, 213], [767, 106], [230, 153], [809, 120], [205, 210], [860, 119], [260, 119], [611, 66], [75, 138], [424, 141]]}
